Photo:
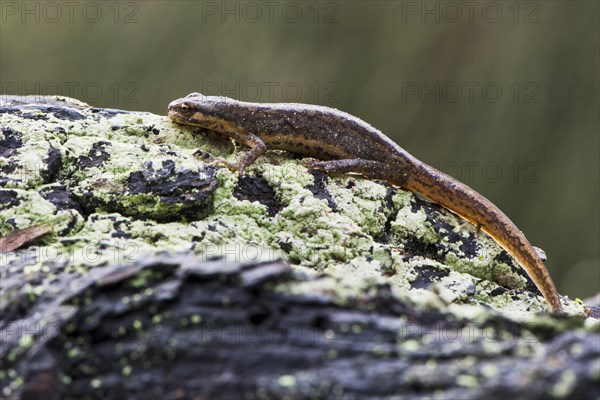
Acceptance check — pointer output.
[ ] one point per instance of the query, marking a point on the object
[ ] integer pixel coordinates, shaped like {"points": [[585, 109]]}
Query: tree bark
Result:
{"points": [[166, 276]]}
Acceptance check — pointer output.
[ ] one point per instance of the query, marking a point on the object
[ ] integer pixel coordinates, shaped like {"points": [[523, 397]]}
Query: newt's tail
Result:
{"points": [[467, 203]]}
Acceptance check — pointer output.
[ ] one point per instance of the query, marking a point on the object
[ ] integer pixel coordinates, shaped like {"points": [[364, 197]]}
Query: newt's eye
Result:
{"points": [[184, 108]]}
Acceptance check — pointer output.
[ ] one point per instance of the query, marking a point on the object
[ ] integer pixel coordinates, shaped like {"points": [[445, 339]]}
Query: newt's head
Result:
{"points": [[211, 112]]}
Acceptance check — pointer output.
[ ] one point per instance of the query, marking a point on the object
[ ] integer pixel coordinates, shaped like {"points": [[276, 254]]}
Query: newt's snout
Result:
{"points": [[180, 112]]}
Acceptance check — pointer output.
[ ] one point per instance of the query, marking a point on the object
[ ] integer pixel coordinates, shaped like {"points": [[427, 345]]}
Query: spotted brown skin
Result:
{"points": [[348, 144]]}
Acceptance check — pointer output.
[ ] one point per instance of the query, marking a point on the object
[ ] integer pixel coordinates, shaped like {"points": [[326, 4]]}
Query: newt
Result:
{"points": [[344, 143]]}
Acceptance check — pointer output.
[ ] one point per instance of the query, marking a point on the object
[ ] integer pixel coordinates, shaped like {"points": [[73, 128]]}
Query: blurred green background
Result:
{"points": [[502, 95]]}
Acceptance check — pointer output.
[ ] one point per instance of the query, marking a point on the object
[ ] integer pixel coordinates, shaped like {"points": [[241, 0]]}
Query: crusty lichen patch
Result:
{"points": [[114, 184], [127, 193]]}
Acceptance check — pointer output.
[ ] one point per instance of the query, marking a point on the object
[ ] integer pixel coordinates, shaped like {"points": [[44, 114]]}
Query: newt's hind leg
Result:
{"points": [[368, 168]]}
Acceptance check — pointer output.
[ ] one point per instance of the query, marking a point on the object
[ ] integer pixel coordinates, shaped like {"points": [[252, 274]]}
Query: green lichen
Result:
{"points": [[359, 242], [287, 381], [31, 210], [467, 381], [96, 383], [27, 341], [65, 379], [564, 387], [127, 370]]}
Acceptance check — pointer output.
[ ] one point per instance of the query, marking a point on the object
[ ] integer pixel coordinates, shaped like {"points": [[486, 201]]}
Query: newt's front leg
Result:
{"points": [[257, 149]]}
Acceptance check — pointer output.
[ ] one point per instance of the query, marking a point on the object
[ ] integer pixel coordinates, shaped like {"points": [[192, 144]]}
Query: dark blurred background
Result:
{"points": [[502, 95]]}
